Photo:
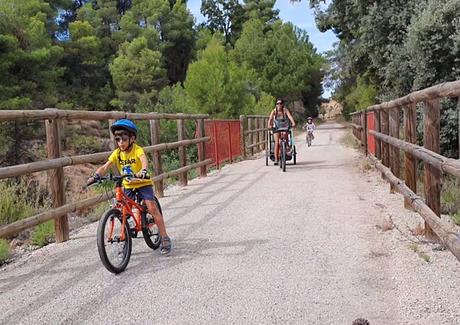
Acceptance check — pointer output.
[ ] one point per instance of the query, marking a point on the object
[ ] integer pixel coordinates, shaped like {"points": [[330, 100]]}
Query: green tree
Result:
{"points": [[224, 16], [28, 58], [216, 85], [138, 75]]}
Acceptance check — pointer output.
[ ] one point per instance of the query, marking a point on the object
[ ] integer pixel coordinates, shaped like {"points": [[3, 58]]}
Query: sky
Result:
{"points": [[297, 13]]}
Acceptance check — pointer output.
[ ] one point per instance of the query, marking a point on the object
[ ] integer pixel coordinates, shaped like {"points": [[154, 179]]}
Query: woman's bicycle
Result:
{"points": [[287, 147], [119, 224]]}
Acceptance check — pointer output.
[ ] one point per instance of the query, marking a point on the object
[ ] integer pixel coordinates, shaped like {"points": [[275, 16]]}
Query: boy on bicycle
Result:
{"points": [[309, 127], [130, 159]]}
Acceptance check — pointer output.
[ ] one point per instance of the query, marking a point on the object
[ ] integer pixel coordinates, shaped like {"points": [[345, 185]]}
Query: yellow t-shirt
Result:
{"points": [[129, 163]]}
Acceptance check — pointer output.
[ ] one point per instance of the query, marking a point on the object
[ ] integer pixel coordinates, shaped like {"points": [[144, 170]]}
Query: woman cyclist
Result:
{"points": [[280, 117]]}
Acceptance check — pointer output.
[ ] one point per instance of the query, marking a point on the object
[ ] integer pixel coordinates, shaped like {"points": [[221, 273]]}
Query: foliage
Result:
{"points": [[15, 202], [28, 59], [216, 85], [85, 144], [43, 234], [4, 251], [450, 195], [137, 75]]}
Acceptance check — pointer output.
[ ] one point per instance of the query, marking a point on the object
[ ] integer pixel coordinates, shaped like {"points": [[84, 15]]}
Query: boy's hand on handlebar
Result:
{"points": [[93, 179], [143, 174]]}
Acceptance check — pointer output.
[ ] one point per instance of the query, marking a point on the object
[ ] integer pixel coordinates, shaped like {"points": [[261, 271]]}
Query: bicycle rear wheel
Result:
{"points": [[150, 230], [114, 252]]}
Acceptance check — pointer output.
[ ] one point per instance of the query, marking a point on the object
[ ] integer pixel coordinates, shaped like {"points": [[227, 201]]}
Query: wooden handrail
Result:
{"points": [[18, 170], [447, 165], [9, 115], [20, 225], [449, 238], [356, 126], [256, 130]]}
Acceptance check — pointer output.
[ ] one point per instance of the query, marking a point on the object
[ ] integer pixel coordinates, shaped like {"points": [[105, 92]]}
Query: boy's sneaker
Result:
{"points": [[165, 246]]}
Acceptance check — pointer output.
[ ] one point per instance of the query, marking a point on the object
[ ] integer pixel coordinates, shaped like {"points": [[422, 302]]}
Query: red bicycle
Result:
{"points": [[120, 224]]}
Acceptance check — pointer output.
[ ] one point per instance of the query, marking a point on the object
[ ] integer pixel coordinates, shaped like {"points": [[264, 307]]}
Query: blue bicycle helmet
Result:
{"points": [[124, 124]]}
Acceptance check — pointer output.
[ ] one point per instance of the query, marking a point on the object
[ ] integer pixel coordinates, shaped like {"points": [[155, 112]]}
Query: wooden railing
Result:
{"points": [[387, 153], [253, 134], [54, 165]]}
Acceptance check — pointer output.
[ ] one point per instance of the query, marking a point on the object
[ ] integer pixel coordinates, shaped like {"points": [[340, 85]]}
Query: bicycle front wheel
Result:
{"points": [[113, 251], [283, 156], [150, 229]]}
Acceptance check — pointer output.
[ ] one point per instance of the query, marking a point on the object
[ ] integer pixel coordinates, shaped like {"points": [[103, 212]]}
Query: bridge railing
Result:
{"points": [[381, 123], [254, 136], [54, 165]]}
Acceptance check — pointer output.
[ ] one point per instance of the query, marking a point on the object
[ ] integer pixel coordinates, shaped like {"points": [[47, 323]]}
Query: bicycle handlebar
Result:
{"points": [[113, 178]]}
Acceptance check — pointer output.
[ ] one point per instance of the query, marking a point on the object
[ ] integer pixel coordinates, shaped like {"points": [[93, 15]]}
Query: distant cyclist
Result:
{"points": [[310, 127], [280, 118]]}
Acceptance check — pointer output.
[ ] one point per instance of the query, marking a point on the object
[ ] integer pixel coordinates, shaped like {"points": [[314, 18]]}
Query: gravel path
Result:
{"points": [[253, 245]]}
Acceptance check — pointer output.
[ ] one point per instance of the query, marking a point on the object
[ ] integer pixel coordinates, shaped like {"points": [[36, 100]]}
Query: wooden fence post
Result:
{"points": [[157, 169], [113, 144], [385, 130], [265, 133], [201, 146], [242, 138], [364, 130], [410, 163], [378, 143], [230, 143], [56, 177], [216, 149], [432, 176], [251, 135], [395, 161], [182, 153]]}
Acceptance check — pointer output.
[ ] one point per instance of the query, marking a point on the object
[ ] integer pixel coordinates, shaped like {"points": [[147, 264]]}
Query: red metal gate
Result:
{"points": [[224, 144], [370, 138]]}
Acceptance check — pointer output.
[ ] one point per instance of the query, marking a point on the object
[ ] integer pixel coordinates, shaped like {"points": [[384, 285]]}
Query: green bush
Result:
{"points": [[456, 218], [85, 144], [450, 195], [4, 251], [43, 234], [14, 202]]}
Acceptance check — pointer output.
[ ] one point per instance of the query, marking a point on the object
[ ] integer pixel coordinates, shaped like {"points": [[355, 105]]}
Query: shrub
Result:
{"points": [[43, 234], [85, 144], [450, 195], [14, 202], [4, 251]]}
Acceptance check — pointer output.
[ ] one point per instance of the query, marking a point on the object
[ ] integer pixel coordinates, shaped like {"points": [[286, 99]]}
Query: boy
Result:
{"points": [[130, 159]]}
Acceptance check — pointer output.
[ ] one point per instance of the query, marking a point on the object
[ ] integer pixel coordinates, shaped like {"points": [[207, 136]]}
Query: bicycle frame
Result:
{"points": [[125, 204], [284, 136]]}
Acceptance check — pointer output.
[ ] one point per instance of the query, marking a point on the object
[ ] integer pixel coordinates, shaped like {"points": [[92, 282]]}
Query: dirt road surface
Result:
{"points": [[254, 245]]}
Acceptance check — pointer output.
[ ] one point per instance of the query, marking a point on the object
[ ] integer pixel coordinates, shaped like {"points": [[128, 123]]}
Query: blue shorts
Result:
{"points": [[145, 192]]}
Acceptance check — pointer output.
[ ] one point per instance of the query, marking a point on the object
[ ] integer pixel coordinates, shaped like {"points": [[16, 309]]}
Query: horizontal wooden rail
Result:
{"points": [[255, 144], [13, 171], [20, 225], [256, 130], [182, 170], [440, 227], [257, 116], [447, 165], [356, 126], [447, 89], [9, 115]]}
